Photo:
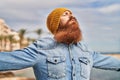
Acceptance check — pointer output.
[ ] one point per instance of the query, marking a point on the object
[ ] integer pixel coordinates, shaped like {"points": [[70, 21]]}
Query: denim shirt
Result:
{"points": [[57, 61]]}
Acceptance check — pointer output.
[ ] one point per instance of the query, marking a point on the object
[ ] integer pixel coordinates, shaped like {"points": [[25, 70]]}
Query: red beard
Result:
{"points": [[70, 33]]}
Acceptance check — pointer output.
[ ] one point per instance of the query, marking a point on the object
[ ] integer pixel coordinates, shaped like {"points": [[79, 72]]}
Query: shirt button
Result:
{"points": [[72, 59], [55, 60], [74, 74]]}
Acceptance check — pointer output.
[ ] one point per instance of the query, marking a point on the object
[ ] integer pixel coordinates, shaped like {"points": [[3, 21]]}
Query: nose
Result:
{"points": [[71, 15]]}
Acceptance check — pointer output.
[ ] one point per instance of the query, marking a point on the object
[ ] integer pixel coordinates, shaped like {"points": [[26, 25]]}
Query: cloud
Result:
{"points": [[31, 3], [110, 9], [107, 28], [99, 19]]}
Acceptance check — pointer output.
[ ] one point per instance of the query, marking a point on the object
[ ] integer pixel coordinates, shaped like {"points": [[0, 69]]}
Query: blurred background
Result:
{"points": [[24, 21]]}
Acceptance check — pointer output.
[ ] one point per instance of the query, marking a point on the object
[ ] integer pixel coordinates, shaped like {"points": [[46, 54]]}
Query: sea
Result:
{"points": [[98, 74]]}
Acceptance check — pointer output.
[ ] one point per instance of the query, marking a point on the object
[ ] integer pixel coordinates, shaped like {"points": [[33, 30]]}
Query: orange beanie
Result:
{"points": [[53, 19]]}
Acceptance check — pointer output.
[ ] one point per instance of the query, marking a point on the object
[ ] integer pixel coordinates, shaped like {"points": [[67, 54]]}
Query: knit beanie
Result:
{"points": [[53, 19]]}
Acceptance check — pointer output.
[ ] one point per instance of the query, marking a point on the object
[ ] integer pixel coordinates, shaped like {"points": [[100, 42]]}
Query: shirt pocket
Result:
{"points": [[84, 67], [56, 66]]}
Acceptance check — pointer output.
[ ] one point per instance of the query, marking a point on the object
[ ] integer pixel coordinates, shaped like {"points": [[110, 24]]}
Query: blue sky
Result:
{"points": [[98, 19]]}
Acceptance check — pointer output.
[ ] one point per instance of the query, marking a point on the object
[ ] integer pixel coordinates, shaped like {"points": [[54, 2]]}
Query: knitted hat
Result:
{"points": [[53, 19]]}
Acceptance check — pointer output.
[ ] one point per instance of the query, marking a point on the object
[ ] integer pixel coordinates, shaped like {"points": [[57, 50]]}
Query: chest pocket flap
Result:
{"points": [[84, 60], [56, 59]]}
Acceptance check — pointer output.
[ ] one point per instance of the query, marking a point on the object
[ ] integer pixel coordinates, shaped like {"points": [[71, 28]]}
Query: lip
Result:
{"points": [[73, 20]]}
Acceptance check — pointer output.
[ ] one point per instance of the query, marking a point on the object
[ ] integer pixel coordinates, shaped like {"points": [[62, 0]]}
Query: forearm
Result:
{"points": [[106, 62], [18, 59]]}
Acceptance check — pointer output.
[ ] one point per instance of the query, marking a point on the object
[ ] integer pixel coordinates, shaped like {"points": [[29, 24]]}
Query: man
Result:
{"points": [[63, 57]]}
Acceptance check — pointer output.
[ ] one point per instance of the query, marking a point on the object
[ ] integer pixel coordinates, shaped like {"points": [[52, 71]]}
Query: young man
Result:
{"points": [[63, 57]]}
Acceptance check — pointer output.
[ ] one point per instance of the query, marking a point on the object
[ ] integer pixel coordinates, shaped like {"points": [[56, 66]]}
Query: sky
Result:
{"points": [[99, 20]]}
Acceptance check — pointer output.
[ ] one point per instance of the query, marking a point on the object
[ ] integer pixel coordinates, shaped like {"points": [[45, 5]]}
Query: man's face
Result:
{"points": [[65, 18], [68, 30]]}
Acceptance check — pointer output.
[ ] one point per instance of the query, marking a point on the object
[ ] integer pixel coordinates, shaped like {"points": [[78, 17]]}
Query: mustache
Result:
{"points": [[72, 18], [66, 25]]}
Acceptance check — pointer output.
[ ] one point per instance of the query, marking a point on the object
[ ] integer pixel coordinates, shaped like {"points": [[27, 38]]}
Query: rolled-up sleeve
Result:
{"points": [[19, 59]]}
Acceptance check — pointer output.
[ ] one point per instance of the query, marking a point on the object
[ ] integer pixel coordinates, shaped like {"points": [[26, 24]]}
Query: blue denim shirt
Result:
{"points": [[57, 61]]}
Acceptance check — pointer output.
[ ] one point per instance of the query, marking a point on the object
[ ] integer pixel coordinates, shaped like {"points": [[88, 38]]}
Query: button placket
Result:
{"points": [[72, 62]]}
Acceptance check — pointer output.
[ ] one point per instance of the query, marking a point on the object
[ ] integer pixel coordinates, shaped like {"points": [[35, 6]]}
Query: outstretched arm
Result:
{"points": [[102, 61], [105, 62], [19, 59]]}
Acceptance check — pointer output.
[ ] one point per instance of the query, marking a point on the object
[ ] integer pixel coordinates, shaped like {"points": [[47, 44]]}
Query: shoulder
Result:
{"points": [[46, 43], [84, 46]]}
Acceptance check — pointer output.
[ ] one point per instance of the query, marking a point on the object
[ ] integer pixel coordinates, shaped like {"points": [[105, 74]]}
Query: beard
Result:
{"points": [[69, 33]]}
